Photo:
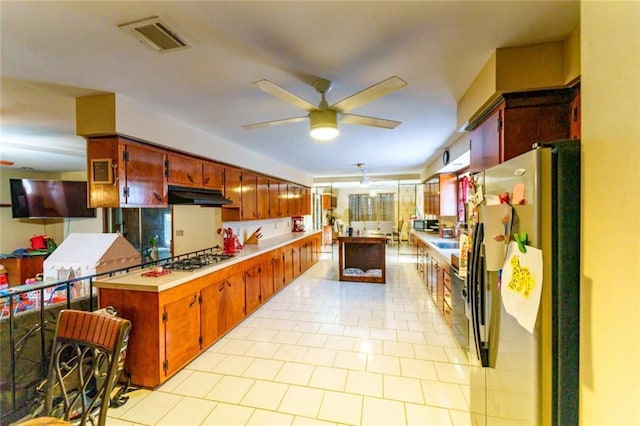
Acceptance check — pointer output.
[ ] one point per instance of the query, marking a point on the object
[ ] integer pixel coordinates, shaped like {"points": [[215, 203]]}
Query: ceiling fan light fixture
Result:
{"points": [[324, 125]]}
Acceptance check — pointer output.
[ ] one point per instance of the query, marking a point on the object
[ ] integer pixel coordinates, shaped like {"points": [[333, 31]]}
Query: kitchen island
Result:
{"points": [[176, 316], [362, 259]]}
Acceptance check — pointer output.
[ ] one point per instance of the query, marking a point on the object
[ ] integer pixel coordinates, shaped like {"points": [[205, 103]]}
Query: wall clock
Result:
{"points": [[445, 157]]}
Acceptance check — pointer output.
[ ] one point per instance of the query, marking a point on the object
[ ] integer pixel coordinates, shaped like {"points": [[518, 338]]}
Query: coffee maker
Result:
{"points": [[298, 223]]}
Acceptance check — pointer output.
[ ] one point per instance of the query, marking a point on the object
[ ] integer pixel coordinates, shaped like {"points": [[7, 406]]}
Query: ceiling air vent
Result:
{"points": [[156, 34]]}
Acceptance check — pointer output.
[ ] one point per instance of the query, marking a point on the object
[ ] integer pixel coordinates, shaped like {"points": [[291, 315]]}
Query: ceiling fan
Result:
{"points": [[323, 118]]}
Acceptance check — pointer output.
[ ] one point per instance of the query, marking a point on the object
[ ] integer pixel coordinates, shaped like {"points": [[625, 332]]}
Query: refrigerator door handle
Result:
{"points": [[472, 288]]}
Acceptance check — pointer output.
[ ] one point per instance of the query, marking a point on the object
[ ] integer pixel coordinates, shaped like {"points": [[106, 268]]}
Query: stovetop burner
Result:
{"points": [[197, 262]]}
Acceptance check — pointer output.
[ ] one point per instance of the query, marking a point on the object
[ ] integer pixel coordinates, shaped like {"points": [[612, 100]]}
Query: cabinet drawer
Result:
{"points": [[447, 313], [447, 279], [447, 296]]}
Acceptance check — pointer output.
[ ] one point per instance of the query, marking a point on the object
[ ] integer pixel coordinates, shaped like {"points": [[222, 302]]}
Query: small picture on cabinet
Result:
{"points": [[101, 171]]}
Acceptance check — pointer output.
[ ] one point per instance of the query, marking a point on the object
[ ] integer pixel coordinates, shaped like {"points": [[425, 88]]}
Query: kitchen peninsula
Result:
{"points": [[176, 316]]}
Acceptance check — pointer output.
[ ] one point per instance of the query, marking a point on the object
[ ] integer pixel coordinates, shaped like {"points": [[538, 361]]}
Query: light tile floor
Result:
{"points": [[322, 352]]}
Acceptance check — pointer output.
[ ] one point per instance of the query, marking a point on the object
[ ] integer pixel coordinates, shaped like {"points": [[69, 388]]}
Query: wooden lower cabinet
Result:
{"points": [[222, 305], [277, 260], [172, 327], [181, 320], [288, 259], [253, 293], [434, 270]]}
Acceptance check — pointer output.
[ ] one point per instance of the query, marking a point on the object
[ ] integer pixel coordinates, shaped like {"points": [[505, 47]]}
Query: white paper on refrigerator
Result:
{"points": [[521, 287]]}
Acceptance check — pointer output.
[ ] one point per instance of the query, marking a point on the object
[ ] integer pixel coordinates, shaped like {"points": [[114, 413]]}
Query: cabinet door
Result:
{"points": [[211, 321], [184, 171], [475, 152], [289, 274], [543, 121], [305, 205], [232, 186], [448, 200], [249, 191], [253, 296], [575, 115], [274, 199], [212, 175], [278, 271], [233, 307], [263, 198], [105, 194], [492, 138], [182, 332], [439, 286], [266, 280], [145, 184], [295, 253], [284, 199]]}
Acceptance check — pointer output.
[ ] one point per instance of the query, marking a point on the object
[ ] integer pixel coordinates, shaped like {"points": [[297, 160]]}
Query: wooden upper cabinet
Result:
{"points": [[212, 175], [274, 199], [440, 195], [515, 123], [123, 173], [284, 199], [184, 171], [306, 206], [263, 197], [233, 186], [486, 140], [249, 210], [293, 199], [145, 177], [575, 115], [329, 201]]}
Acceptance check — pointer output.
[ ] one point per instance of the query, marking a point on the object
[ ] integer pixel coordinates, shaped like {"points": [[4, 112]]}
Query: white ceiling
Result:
{"points": [[52, 52]]}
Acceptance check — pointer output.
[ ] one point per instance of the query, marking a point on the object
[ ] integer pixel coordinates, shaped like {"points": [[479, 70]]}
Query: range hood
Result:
{"points": [[197, 197]]}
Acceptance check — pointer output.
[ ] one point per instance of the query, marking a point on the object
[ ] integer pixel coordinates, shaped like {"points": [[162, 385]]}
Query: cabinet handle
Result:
{"points": [[158, 197], [114, 172], [221, 287], [190, 178], [206, 180], [195, 299]]}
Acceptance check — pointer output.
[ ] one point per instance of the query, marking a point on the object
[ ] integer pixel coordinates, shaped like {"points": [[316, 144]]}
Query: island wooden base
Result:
{"points": [[365, 253]]}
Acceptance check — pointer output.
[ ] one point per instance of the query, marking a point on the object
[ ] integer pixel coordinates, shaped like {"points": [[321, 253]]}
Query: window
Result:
{"points": [[364, 207]]}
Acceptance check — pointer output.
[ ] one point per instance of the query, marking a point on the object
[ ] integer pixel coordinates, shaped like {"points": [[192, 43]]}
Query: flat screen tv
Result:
{"points": [[33, 198]]}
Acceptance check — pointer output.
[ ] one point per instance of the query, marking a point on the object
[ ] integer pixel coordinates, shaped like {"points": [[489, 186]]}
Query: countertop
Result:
{"points": [[433, 237], [136, 282]]}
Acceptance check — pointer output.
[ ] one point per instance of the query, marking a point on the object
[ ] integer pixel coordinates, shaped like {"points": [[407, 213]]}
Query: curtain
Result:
{"points": [[364, 207]]}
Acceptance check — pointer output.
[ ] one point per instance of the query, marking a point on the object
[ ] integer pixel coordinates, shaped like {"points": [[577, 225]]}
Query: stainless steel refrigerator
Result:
{"points": [[518, 377]]}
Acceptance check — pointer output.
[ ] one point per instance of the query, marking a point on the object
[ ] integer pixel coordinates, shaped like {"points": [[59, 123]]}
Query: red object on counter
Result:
{"points": [[298, 224]]}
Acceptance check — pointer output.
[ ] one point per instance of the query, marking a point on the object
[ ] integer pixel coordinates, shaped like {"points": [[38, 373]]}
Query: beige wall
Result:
{"points": [[610, 341]]}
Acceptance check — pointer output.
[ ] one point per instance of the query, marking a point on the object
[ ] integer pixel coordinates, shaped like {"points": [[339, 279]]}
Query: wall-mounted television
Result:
{"points": [[33, 198]]}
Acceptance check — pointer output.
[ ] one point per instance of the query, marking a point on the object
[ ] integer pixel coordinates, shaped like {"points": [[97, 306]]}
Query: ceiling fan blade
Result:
{"points": [[274, 122], [369, 94], [369, 121], [280, 93]]}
